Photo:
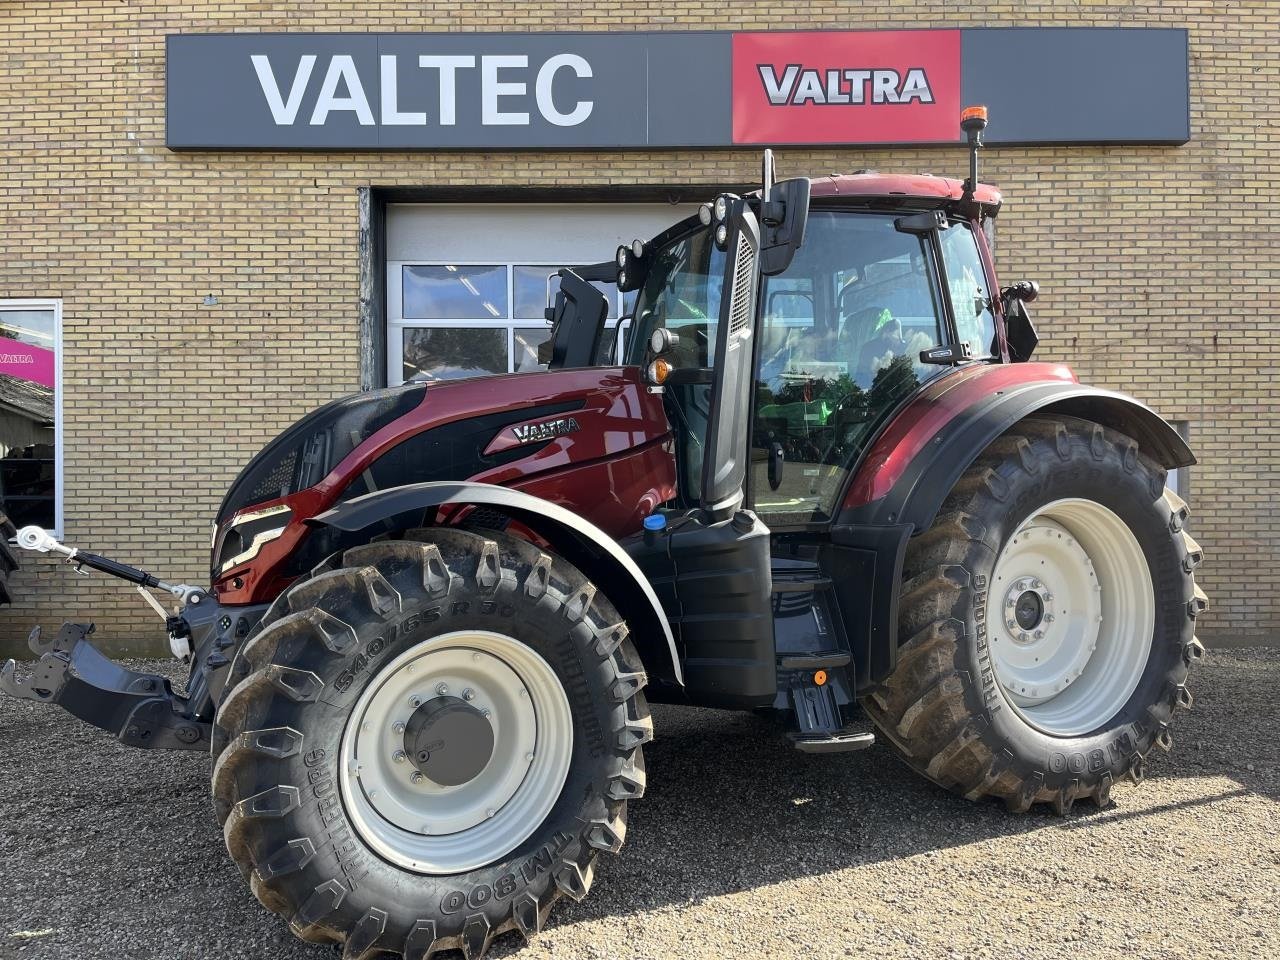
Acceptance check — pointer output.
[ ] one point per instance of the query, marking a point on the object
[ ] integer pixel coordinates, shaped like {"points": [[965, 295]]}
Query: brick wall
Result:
{"points": [[1154, 262]]}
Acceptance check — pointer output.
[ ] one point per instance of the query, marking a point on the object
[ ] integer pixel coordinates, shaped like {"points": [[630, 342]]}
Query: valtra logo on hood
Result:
{"points": [[890, 86]]}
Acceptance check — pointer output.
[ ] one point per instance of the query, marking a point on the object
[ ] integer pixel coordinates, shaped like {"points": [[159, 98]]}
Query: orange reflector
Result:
{"points": [[973, 113], [659, 370], [819, 677]]}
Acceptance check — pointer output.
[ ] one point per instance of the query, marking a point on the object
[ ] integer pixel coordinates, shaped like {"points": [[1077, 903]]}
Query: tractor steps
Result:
{"points": [[842, 741]]}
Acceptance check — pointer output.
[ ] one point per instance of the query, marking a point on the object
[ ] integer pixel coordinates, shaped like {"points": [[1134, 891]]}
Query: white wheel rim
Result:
{"points": [[431, 828], [1070, 615]]}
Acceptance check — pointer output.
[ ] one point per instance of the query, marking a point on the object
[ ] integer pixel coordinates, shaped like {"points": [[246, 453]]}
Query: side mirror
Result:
{"points": [[784, 210], [1019, 331], [1023, 290]]}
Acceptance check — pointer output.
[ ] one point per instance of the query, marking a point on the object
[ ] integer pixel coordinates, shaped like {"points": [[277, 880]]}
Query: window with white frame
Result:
{"points": [[31, 412], [454, 320], [467, 284]]}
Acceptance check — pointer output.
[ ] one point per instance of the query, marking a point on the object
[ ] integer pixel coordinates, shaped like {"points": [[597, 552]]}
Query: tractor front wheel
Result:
{"points": [[1046, 621], [428, 743]]}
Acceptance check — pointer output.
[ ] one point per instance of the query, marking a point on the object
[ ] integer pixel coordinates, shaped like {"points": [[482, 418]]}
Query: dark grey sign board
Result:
{"points": [[546, 91]]}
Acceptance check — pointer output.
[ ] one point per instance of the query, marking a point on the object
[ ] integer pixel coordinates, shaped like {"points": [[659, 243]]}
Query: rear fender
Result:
{"points": [[580, 542], [910, 492], [916, 492]]}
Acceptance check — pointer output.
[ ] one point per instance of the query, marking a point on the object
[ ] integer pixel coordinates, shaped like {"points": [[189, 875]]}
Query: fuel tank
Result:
{"points": [[593, 440]]}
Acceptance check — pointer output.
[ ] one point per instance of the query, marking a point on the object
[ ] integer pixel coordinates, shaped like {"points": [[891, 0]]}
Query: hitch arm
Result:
{"points": [[139, 708]]}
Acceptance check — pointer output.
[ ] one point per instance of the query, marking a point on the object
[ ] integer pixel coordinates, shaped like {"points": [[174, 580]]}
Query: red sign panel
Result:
{"points": [[883, 86]]}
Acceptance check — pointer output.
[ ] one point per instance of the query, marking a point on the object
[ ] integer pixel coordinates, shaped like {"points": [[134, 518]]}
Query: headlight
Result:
{"points": [[722, 235], [621, 258], [243, 538], [637, 248], [721, 208]]}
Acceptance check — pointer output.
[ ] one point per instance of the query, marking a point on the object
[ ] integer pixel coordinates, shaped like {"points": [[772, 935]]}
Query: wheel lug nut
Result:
{"points": [[468, 694], [415, 701], [1048, 597], [441, 689], [1039, 634], [1035, 584], [417, 776], [398, 726], [486, 714], [1048, 618], [490, 812], [1023, 637], [1009, 602], [399, 756], [1011, 624]]}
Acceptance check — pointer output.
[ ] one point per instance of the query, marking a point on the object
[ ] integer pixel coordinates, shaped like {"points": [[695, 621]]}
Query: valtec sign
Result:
{"points": [[342, 90], [438, 91]]}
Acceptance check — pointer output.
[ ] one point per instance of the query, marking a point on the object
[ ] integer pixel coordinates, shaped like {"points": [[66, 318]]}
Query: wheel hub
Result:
{"points": [[1028, 610], [449, 741]]}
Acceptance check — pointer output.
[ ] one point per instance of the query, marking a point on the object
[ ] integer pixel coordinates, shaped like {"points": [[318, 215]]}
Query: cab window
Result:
{"points": [[970, 295], [840, 339]]}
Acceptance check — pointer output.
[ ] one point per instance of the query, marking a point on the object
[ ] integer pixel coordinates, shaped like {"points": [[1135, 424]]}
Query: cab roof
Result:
{"points": [[913, 185]]}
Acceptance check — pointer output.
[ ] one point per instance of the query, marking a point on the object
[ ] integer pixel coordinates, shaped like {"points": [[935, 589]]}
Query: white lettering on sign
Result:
{"points": [[283, 113], [342, 69], [391, 114], [797, 86], [503, 86], [448, 67], [547, 77]]}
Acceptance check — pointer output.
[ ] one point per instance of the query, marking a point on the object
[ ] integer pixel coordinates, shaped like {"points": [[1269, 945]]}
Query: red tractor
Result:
{"points": [[827, 481]]}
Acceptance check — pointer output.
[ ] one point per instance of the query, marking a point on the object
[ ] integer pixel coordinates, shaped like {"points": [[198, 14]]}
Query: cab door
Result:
{"points": [[840, 337]]}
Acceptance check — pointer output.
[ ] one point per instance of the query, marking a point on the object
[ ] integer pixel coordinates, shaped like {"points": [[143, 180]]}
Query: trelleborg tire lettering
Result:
{"points": [[276, 740], [944, 708]]}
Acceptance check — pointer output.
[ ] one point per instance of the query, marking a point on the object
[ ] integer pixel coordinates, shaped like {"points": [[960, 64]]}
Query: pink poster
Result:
{"points": [[26, 362]]}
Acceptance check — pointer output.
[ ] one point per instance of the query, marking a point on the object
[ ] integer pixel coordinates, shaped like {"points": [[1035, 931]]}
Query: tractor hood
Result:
{"points": [[548, 433]]}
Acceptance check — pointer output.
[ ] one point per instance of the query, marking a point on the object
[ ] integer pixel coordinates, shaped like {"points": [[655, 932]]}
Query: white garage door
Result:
{"points": [[467, 283]]}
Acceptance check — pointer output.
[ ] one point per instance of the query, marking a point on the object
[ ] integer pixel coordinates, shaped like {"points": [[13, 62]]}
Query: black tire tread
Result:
{"points": [[923, 708], [305, 614]]}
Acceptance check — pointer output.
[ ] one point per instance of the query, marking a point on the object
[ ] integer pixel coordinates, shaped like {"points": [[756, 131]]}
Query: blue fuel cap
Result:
{"points": [[655, 521]]}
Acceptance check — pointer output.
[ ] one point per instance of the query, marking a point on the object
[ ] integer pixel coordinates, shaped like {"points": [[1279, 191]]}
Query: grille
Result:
{"points": [[277, 482], [740, 298]]}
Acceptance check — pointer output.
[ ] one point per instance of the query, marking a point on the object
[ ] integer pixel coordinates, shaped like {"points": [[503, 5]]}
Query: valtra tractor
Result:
{"points": [[827, 480]]}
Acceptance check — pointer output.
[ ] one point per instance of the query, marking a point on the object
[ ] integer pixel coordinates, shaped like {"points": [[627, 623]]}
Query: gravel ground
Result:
{"points": [[741, 847]]}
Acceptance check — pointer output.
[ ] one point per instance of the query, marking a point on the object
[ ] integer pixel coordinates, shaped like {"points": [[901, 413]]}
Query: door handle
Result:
{"points": [[776, 460]]}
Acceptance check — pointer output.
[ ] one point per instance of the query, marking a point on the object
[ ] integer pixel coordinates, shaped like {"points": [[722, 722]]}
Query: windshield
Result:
{"points": [[682, 293]]}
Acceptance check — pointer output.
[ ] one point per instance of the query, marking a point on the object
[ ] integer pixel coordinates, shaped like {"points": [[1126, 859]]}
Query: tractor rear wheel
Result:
{"points": [[1046, 621], [428, 743]]}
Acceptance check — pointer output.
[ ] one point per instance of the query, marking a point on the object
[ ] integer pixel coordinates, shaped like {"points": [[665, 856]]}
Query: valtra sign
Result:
{"points": [[443, 91], [900, 86]]}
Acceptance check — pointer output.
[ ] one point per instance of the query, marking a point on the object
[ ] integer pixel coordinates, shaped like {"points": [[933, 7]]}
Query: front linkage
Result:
{"points": [[141, 709]]}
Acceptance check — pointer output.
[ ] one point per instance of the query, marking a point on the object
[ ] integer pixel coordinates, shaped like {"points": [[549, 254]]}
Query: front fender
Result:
{"points": [[581, 542]]}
